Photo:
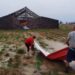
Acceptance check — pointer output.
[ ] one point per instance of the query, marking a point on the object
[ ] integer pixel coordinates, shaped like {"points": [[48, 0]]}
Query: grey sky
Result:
{"points": [[58, 9]]}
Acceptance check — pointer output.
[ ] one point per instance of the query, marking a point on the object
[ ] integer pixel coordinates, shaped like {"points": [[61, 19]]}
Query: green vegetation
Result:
{"points": [[17, 37], [38, 61], [21, 51]]}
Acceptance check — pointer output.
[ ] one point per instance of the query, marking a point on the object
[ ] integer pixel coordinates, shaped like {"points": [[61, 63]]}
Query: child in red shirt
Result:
{"points": [[29, 42]]}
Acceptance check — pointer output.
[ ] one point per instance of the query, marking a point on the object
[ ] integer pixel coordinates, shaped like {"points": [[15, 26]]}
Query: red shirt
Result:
{"points": [[29, 41]]}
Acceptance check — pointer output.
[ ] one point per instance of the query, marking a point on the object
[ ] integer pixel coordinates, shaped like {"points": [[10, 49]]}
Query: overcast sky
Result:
{"points": [[63, 10]]}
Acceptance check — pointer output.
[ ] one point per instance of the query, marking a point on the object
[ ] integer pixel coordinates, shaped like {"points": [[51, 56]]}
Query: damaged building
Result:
{"points": [[26, 19]]}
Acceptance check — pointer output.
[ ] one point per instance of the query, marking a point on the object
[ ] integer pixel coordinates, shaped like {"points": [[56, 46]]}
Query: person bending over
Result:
{"points": [[29, 42]]}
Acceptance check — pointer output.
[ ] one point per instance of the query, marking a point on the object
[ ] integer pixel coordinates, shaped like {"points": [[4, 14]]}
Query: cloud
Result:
{"points": [[58, 9]]}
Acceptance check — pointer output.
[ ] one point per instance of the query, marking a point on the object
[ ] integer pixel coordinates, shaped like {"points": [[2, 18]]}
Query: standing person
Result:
{"points": [[71, 52], [29, 42]]}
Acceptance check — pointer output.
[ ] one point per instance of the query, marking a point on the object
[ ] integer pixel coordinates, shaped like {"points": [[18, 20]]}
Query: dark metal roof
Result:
{"points": [[21, 11]]}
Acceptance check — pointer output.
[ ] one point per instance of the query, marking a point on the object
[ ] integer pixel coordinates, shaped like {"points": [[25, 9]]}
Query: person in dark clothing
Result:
{"points": [[71, 52]]}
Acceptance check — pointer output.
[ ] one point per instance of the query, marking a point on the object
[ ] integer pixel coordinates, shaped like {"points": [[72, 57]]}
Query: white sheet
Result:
{"points": [[54, 44], [38, 47]]}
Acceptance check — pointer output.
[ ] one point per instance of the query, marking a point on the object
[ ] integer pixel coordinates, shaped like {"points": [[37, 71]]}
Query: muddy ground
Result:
{"points": [[14, 59]]}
